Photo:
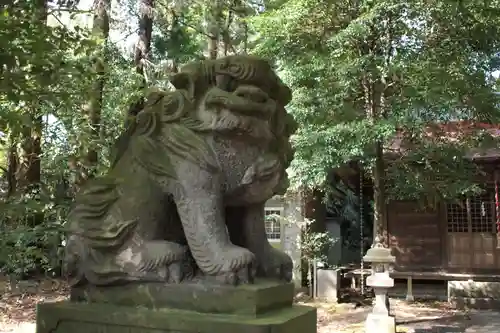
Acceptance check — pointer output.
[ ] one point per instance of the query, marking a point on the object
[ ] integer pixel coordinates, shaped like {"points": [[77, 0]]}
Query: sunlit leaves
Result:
{"points": [[47, 72], [430, 61]]}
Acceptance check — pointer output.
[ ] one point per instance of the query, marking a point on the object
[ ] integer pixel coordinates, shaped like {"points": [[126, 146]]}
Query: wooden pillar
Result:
{"points": [[497, 210], [469, 226], [409, 289]]}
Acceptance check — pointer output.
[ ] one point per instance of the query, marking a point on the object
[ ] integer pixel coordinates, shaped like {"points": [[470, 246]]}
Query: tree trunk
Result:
{"points": [[142, 50], [100, 29], [28, 173], [227, 31], [315, 209], [11, 167], [214, 30], [245, 40], [175, 28], [379, 215]]}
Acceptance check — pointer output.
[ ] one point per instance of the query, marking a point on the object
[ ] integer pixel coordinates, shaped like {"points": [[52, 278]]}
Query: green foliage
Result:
{"points": [[26, 249], [362, 72], [315, 245], [47, 73]]}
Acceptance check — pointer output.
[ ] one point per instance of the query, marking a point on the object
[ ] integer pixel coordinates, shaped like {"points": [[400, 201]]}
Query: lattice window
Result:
{"points": [[273, 228], [483, 212], [457, 216], [474, 214]]}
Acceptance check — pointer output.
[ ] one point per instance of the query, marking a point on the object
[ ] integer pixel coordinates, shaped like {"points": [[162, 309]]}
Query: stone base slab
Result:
{"points": [[73, 317], [249, 299]]}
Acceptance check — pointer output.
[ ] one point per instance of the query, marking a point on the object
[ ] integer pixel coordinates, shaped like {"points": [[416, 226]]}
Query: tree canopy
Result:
{"points": [[374, 82], [361, 71]]}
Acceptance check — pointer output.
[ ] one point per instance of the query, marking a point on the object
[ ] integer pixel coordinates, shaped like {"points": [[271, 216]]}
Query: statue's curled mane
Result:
{"points": [[164, 128]]}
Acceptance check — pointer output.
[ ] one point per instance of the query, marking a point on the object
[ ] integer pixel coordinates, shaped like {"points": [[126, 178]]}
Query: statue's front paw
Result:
{"points": [[274, 263], [236, 265]]}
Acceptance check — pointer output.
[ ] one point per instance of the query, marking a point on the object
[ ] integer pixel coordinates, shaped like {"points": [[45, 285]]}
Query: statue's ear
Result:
{"points": [[152, 96], [183, 81]]}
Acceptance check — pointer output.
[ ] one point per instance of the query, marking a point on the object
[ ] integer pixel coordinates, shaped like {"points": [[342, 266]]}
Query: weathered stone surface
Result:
{"points": [[328, 284], [474, 294], [75, 317], [250, 299], [172, 237], [184, 197], [380, 323]]}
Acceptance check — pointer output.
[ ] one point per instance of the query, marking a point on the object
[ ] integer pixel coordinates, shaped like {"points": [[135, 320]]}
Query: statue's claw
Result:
{"points": [[179, 271], [287, 271], [273, 263], [244, 275], [175, 272], [238, 266]]}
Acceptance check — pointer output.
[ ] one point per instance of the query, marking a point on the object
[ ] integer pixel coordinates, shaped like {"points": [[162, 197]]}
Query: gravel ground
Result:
{"points": [[435, 317]]}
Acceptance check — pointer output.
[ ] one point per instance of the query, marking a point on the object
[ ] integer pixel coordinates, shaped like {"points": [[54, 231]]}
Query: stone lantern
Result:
{"points": [[380, 320]]}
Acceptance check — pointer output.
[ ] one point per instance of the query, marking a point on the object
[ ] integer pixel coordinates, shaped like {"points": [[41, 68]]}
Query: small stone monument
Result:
{"points": [[380, 320], [172, 238]]}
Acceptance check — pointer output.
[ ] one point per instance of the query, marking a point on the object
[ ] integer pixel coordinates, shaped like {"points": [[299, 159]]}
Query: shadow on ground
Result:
{"points": [[446, 324], [484, 321]]}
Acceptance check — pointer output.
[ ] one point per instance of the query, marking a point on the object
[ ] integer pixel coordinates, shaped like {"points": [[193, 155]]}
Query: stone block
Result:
{"points": [[328, 284], [380, 324], [474, 289], [75, 317], [474, 294], [250, 299]]}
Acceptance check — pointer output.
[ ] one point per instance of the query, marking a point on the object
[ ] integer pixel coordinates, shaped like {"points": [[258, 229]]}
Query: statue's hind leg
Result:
{"points": [[157, 251], [168, 261], [153, 261]]}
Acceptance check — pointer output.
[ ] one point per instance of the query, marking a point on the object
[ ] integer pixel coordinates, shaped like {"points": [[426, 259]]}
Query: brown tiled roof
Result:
{"points": [[448, 132]]}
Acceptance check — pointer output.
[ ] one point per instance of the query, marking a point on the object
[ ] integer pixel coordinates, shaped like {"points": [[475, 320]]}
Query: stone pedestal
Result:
{"points": [[328, 284], [380, 323], [380, 320], [264, 307]]}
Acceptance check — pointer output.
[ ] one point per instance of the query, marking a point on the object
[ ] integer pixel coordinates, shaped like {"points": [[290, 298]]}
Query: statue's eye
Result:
{"points": [[225, 82], [232, 85], [239, 70]]}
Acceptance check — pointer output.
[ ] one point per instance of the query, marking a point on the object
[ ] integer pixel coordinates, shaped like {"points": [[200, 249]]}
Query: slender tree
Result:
{"points": [[28, 173], [93, 110], [142, 50]]}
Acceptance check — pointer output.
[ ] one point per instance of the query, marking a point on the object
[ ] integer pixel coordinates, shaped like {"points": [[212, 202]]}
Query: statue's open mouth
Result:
{"points": [[246, 100], [251, 93], [245, 111]]}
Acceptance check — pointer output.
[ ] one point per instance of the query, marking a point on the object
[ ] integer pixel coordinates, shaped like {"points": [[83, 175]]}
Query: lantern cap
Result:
{"points": [[379, 254]]}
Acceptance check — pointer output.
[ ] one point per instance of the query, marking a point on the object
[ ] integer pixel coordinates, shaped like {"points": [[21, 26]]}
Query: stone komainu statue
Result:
{"points": [[185, 194]]}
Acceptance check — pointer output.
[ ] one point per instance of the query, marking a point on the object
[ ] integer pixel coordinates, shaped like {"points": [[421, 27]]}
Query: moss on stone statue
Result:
{"points": [[83, 317], [250, 299]]}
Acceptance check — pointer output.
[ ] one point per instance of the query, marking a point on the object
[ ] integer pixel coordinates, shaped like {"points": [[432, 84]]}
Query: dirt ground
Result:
{"points": [[18, 301], [17, 312], [414, 317], [346, 318]]}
